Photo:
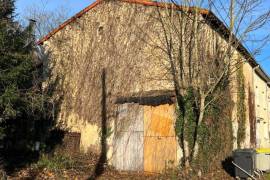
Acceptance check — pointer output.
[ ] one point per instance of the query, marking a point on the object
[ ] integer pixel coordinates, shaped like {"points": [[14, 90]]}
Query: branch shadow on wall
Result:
{"points": [[100, 165]]}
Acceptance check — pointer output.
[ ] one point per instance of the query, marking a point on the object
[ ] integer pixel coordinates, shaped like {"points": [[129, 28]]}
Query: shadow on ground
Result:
{"points": [[228, 166]]}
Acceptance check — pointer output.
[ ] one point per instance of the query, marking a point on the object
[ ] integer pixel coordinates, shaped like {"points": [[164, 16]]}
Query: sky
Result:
{"points": [[74, 6]]}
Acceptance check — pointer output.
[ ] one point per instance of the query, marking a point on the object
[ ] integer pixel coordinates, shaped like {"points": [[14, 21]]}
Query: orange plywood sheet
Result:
{"points": [[159, 153], [159, 120], [160, 145]]}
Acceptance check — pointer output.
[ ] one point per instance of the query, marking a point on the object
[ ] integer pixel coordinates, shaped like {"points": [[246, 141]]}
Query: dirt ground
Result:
{"points": [[108, 174], [85, 168]]}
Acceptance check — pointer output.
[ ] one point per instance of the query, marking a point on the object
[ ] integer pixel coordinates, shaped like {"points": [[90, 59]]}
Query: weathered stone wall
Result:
{"points": [[107, 37], [118, 38]]}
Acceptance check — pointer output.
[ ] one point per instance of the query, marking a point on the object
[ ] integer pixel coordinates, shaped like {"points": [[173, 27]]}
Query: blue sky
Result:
{"points": [[74, 6]]}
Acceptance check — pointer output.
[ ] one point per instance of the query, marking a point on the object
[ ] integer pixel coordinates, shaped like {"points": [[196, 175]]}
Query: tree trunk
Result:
{"points": [[195, 149], [187, 158]]}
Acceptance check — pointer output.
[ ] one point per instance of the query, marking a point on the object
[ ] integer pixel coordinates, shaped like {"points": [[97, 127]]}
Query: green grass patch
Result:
{"points": [[55, 163], [267, 176]]}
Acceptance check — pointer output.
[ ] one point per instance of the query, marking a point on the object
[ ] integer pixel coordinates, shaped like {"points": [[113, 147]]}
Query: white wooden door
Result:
{"points": [[128, 144]]}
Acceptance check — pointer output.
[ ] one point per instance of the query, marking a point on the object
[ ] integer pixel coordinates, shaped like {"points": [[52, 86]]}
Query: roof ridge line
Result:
{"points": [[165, 5], [141, 2]]}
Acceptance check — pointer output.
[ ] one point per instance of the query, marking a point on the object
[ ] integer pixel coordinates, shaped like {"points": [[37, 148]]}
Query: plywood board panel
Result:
{"points": [[160, 145], [159, 153], [159, 120]]}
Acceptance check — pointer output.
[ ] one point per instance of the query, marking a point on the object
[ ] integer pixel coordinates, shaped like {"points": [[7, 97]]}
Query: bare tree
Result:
{"points": [[46, 19], [200, 60]]}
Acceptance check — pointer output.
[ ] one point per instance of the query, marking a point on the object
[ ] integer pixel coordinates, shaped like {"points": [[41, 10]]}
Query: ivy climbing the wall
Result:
{"points": [[241, 108], [215, 137], [186, 121]]}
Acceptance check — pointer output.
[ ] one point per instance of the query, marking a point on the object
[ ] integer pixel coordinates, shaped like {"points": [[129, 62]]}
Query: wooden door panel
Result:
{"points": [[129, 152], [128, 143], [130, 118], [159, 153], [159, 120], [160, 145]]}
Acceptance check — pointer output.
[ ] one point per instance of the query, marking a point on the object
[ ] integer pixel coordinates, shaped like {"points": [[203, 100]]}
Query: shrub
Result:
{"points": [[56, 162]]}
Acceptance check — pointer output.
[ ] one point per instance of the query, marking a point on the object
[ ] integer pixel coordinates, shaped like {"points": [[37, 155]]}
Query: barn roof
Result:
{"points": [[211, 18]]}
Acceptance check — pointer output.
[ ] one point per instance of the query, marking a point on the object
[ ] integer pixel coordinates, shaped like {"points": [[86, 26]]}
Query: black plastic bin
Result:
{"points": [[245, 158]]}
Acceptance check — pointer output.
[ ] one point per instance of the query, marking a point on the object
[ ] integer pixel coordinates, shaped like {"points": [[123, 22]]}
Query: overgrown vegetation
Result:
{"points": [[55, 162], [186, 121], [20, 95], [214, 134], [200, 55], [25, 116], [241, 107]]}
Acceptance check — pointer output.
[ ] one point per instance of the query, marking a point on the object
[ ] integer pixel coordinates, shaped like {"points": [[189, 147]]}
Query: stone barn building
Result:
{"points": [[108, 79]]}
